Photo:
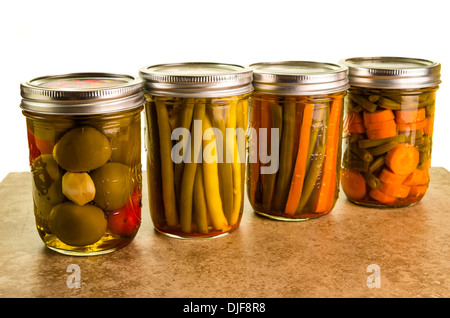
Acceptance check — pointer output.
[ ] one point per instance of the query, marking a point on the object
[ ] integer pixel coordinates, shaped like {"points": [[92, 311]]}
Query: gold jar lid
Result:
{"points": [[196, 79], [81, 94], [392, 72], [299, 77]]}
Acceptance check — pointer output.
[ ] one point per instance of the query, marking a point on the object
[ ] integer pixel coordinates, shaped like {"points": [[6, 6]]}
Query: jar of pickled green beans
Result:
{"points": [[84, 139], [388, 130], [295, 138], [196, 146]]}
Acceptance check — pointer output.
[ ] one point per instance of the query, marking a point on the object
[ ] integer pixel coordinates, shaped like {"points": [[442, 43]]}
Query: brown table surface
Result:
{"points": [[325, 257]]}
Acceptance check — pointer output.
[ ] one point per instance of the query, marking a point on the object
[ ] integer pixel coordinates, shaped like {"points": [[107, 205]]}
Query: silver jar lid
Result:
{"points": [[392, 72], [196, 79], [81, 94], [299, 77]]}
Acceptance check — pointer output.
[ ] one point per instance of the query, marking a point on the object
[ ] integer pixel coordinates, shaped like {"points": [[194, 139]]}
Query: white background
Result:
{"points": [[53, 37]]}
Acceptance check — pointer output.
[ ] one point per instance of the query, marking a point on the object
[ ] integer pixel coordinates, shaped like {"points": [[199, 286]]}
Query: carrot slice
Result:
{"points": [[395, 190], [418, 125], [428, 128], [353, 184], [379, 115], [409, 116], [380, 125], [382, 197], [402, 159], [381, 133], [300, 164], [418, 190], [357, 128], [417, 177], [327, 187], [387, 176]]}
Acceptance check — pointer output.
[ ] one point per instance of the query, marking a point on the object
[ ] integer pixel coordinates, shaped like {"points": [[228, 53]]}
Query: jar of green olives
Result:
{"points": [[84, 138], [196, 121], [388, 130]]}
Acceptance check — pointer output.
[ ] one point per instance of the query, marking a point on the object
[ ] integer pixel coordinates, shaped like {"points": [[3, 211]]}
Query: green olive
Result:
{"points": [[77, 225], [82, 149], [47, 190], [113, 185], [126, 144]]}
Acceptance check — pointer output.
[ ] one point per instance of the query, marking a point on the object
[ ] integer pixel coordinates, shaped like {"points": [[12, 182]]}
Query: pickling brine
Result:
{"points": [[295, 135], [196, 147], [85, 166], [388, 130]]}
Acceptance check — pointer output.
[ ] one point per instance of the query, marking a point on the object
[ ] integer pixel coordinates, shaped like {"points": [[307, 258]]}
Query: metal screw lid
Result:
{"points": [[81, 94], [392, 72], [299, 77], [196, 79]]}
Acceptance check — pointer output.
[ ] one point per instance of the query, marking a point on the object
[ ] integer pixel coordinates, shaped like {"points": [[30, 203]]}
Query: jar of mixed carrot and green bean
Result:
{"points": [[84, 138], [294, 133], [388, 130], [196, 146]]}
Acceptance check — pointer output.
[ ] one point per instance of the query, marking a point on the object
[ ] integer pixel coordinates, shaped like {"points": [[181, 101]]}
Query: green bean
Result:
{"points": [[374, 98], [168, 186], [377, 164], [283, 181], [388, 103], [381, 149], [317, 123], [277, 122], [362, 153], [364, 102], [225, 168], [183, 121], [200, 212], [370, 143], [189, 172], [371, 180], [316, 165]]}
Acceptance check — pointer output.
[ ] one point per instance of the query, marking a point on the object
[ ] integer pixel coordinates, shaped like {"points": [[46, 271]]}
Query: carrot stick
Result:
{"points": [[300, 164], [327, 188], [402, 159], [353, 184]]}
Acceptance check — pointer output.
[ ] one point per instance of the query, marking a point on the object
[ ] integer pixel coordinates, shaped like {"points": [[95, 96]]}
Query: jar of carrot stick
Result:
{"points": [[196, 146], [295, 138], [388, 129]]}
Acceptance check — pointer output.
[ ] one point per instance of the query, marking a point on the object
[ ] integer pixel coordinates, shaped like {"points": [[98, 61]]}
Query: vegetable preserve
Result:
{"points": [[196, 146], [295, 138], [84, 138], [388, 128]]}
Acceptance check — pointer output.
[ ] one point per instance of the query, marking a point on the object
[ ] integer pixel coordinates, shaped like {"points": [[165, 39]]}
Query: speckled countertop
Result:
{"points": [[332, 256]]}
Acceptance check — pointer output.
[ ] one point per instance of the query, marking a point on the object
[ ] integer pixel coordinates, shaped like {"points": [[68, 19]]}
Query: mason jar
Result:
{"points": [[389, 117], [295, 138], [84, 138], [195, 133]]}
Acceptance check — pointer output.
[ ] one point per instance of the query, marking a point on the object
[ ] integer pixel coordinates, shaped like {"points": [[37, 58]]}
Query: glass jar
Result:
{"points": [[295, 138], [388, 128], [196, 121], [84, 138]]}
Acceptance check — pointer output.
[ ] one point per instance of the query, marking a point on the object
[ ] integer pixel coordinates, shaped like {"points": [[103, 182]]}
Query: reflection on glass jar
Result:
{"points": [[388, 130], [295, 139], [196, 148], [86, 166]]}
